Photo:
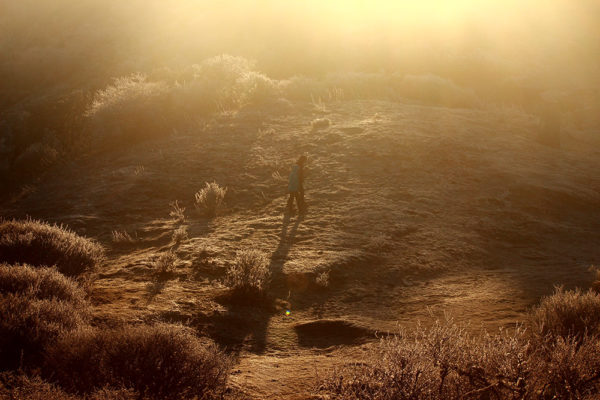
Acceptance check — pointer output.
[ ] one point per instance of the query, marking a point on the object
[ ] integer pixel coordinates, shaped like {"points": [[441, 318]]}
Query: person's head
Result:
{"points": [[302, 160]]}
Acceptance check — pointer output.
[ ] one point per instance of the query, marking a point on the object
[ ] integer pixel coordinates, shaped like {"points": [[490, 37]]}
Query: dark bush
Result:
{"points": [[40, 283], [39, 244], [162, 362], [28, 325]]}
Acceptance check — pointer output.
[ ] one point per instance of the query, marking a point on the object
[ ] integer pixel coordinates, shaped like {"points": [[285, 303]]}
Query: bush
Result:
{"points": [[560, 360], [162, 362], [249, 274], [165, 263], [320, 123], [22, 387], [132, 108], [567, 313], [40, 283], [29, 324], [210, 198], [39, 244]]}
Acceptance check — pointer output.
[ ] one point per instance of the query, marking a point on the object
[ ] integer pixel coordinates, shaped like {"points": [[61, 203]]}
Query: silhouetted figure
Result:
{"points": [[296, 186]]}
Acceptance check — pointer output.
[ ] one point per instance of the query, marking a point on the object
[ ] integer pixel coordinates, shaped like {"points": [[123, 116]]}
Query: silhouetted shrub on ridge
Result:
{"points": [[39, 244], [161, 362]]}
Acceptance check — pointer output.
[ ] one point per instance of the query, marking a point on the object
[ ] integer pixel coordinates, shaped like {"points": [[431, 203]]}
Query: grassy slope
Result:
{"points": [[412, 209]]}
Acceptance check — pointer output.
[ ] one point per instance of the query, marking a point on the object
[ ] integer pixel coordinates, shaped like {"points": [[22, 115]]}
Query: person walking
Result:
{"points": [[296, 186]]}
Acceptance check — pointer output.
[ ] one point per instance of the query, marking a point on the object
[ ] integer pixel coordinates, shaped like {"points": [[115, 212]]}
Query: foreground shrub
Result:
{"points": [[210, 198], [41, 284], [29, 324], [560, 360], [444, 363], [567, 313], [162, 362], [249, 274], [37, 243]]}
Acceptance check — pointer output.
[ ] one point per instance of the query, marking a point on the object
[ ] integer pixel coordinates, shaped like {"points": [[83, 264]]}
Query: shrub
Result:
{"points": [[37, 244], [40, 283], [122, 237], [180, 234], [561, 360], [162, 362], [165, 263], [567, 313], [28, 325], [132, 108], [22, 387], [320, 123], [249, 274], [210, 198], [177, 212]]}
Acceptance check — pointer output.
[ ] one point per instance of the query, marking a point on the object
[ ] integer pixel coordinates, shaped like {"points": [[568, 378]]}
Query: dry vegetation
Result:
{"points": [[39, 244], [446, 362], [249, 275], [160, 362], [210, 198]]}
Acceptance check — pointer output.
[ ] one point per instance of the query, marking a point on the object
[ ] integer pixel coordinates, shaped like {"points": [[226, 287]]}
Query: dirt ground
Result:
{"points": [[414, 213]]}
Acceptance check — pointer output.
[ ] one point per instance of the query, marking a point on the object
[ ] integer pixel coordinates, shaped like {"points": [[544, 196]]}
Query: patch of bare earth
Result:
{"points": [[413, 212]]}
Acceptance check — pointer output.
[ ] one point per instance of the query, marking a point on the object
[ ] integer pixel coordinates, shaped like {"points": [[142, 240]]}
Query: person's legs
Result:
{"points": [[290, 202], [300, 200]]}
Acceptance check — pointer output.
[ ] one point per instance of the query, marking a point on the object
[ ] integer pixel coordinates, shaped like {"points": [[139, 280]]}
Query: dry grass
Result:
{"points": [[165, 263], [249, 276], [320, 123], [180, 234], [40, 244], [210, 198], [567, 313], [28, 325], [23, 387], [40, 283], [560, 360], [177, 212], [322, 279], [122, 237], [160, 362]]}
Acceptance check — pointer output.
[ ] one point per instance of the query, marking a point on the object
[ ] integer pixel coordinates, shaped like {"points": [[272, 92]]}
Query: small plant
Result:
{"points": [[122, 237], [139, 170], [177, 212], [322, 279], [249, 274], [210, 198], [165, 263], [180, 234], [379, 242], [320, 123]]}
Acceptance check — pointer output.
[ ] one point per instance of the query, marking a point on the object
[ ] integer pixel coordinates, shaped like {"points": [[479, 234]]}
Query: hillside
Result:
{"points": [[414, 211]]}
